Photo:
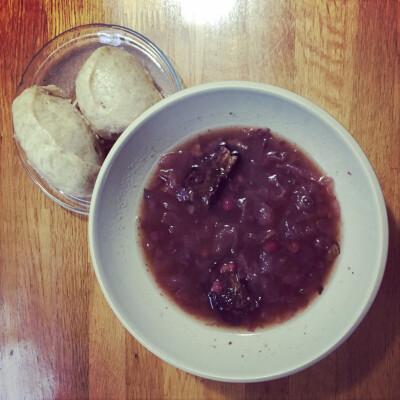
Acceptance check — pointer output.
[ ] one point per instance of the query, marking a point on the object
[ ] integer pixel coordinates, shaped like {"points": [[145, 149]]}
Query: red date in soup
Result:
{"points": [[239, 227]]}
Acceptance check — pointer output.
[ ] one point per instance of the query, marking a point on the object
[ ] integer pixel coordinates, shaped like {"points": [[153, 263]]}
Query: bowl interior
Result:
{"points": [[184, 341]]}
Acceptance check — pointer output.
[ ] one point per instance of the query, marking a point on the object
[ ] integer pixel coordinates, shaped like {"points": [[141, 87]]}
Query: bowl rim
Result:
{"points": [[69, 202], [321, 114]]}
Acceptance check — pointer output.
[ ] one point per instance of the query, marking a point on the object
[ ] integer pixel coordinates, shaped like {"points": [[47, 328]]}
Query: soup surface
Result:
{"points": [[239, 227]]}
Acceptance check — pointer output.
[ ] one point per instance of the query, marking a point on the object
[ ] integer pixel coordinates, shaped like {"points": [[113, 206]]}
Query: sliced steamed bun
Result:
{"points": [[56, 139], [112, 89]]}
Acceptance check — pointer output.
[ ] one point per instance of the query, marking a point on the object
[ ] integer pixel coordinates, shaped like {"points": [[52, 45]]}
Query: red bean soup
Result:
{"points": [[239, 227]]}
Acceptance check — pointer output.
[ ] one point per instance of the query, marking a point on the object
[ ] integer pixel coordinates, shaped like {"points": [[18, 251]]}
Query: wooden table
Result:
{"points": [[59, 338]]}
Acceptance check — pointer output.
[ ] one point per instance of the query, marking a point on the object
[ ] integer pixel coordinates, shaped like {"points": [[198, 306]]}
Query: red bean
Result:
{"points": [[270, 245]]}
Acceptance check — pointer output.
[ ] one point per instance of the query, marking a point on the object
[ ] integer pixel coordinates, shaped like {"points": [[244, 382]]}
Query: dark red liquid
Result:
{"points": [[264, 246]]}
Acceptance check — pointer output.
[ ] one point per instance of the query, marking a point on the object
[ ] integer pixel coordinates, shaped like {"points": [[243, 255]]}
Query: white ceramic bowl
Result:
{"points": [[180, 339]]}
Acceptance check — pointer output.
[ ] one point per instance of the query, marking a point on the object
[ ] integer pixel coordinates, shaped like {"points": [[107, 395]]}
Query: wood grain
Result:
{"points": [[59, 338]]}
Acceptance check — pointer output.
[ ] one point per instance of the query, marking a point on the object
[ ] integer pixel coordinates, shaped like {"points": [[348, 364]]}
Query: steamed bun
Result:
{"points": [[112, 89], [56, 139]]}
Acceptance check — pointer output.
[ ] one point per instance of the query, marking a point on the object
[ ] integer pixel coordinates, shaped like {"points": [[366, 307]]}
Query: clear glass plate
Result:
{"points": [[58, 63]]}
